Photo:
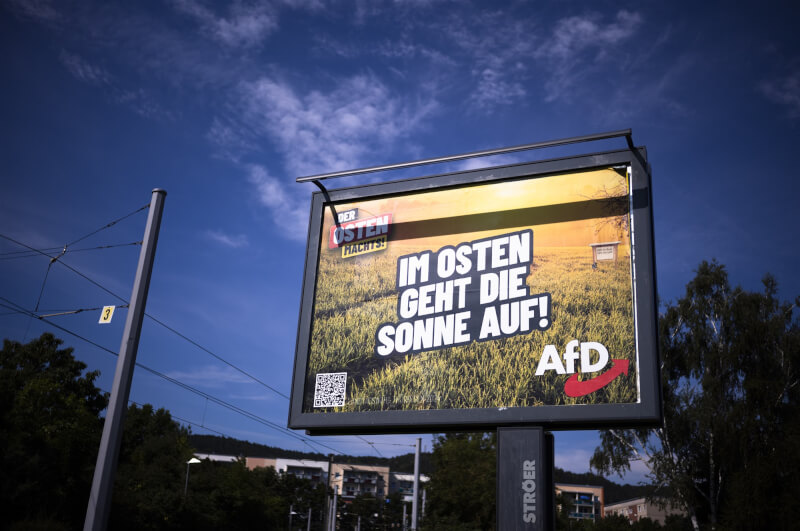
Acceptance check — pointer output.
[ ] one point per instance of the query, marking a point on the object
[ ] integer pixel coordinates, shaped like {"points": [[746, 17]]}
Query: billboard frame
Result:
{"points": [[646, 412]]}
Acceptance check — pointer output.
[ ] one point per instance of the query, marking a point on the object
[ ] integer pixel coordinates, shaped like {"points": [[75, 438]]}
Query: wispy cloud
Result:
{"points": [[233, 241], [497, 51], [573, 35], [493, 89], [350, 125], [143, 104], [485, 162], [579, 45], [210, 376], [261, 397], [41, 10], [83, 70], [652, 93], [784, 90], [490, 48], [137, 99], [326, 45], [359, 118], [287, 209], [244, 24], [230, 139]]}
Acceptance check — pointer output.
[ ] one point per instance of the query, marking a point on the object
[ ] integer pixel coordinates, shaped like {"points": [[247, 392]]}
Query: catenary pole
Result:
{"points": [[327, 524], [333, 507], [415, 499], [99, 507]]}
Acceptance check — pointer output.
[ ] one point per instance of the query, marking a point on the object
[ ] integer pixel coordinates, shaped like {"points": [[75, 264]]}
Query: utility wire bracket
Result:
{"points": [[328, 200]]}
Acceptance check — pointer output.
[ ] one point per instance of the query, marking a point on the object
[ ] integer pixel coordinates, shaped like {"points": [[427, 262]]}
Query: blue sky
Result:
{"points": [[224, 105]]}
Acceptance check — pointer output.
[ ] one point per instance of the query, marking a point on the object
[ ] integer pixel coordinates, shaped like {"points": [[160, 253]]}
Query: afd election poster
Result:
{"points": [[509, 294]]}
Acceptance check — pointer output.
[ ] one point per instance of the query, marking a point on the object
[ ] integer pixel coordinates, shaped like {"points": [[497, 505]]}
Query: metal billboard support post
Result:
{"points": [[525, 491], [99, 507], [415, 499]]}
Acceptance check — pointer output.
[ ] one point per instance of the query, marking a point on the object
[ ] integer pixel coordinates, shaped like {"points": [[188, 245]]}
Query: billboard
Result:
{"points": [[496, 297]]}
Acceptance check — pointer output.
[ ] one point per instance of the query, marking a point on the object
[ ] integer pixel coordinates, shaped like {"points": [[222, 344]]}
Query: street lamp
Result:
{"points": [[190, 462]]}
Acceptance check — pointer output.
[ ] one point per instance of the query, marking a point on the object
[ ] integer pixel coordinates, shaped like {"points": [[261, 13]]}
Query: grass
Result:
{"points": [[354, 297]]}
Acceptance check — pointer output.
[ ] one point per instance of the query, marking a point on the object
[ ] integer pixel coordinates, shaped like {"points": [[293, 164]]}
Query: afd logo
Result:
{"points": [[593, 358]]}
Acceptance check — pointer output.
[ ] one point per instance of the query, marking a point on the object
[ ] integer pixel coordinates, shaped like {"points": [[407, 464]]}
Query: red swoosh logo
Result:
{"points": [[574, 388]]}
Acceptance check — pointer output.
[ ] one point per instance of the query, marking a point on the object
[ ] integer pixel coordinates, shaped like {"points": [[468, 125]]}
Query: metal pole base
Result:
{"points": [[525, 490]]}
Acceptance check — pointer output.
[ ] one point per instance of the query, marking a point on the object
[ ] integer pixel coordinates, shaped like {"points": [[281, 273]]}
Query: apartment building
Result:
{"points": [[352, 480], [404, 484], [587, 502], [315, 471], [217, 458], [638, 508]]}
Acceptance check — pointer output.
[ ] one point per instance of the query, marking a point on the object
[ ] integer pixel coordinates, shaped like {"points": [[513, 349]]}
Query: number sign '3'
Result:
{"points": [[106, 314]]}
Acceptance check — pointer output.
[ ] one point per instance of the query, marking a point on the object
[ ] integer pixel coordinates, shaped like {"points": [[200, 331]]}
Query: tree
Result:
{"points": [[564, 506], [302, 494], [49, 417], [364, 506], [148, 491], [50, 427], [392, 510], [731, 399], [461, 492]]}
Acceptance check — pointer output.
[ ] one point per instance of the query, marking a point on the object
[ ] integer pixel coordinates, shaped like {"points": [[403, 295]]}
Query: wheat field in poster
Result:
{"points": [[510, 294]]}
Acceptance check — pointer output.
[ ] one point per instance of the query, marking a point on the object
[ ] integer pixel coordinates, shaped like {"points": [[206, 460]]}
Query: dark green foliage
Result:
{"points": [[616, 522], [228, 496], [148, 492], [367, 507], [613, 522], [564, 506], [676, 522], [461, 492], [464, 478], [731, 368], [49, 429]]}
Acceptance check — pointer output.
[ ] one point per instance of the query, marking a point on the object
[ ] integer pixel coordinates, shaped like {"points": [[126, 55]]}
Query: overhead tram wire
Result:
{"points": [[22, 311], [172, 415], [218, 401], [189, 340], [344, 441], [58, 313], [107, 225], [372, 444], [182, 336], [41, 317], [66, 245], [193, 423], [226, 362], [14, 255]]}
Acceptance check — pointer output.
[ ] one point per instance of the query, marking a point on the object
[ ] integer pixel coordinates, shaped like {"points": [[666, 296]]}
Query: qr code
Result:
{"points": [[330, 388]]}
